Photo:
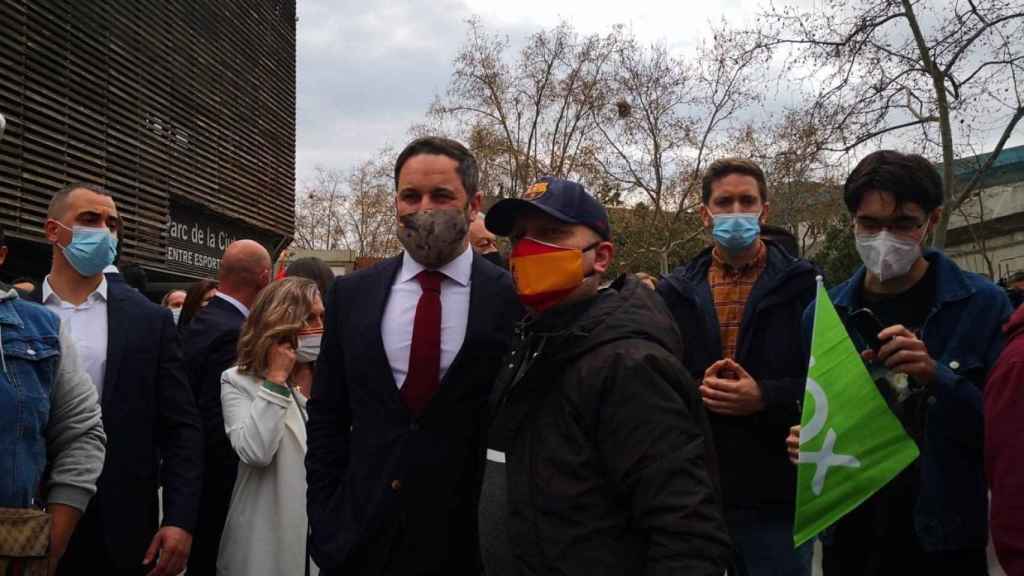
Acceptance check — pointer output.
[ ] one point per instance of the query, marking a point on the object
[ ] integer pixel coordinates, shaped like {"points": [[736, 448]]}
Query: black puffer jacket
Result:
{"points": [[607, 444]]}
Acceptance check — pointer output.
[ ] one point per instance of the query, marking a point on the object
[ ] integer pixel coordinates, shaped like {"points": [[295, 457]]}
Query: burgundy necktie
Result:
{"points": [[422, 380]]}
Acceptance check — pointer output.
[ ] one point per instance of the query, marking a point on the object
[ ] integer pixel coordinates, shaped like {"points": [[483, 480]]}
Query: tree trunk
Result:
{"points": [[949, 184]]}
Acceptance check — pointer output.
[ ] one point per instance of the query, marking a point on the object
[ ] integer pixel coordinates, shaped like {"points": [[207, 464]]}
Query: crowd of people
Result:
{"points": [[457, 410]]}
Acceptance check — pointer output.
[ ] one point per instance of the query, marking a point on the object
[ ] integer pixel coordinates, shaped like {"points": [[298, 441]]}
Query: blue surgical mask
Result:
{"points": [[91, 249], [736, 232]]}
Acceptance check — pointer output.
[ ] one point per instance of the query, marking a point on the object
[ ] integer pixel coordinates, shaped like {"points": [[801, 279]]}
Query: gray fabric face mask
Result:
{"points": [[434, 237]]}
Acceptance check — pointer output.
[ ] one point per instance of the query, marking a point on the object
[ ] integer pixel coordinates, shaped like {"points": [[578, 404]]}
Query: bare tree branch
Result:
{"points": [[980, 173]]}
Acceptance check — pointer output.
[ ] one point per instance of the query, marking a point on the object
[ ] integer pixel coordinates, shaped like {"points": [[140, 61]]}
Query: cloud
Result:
{"points": [[368, 71]]}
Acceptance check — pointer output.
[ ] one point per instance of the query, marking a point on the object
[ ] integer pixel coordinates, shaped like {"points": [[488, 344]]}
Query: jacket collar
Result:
{"points": [[119, 314], [780, 265], [223, 306], [100, 291], [8, 314], [951, 283]]}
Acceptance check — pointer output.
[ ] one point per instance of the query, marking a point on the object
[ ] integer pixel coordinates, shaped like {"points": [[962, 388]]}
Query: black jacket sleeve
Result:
{"points": [[221, 356], [783, 395], [654, 438], [786, 395], [180, 433], [328, 429]]}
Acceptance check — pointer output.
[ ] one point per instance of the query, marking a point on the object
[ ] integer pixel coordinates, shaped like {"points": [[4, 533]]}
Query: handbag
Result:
{"points": [[24, 542]]}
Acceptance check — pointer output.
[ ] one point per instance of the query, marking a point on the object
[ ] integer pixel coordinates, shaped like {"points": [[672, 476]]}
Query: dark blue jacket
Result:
{"points": [[210, 345], [755, 470], [963, 333], [154, 435], [390, 493]]}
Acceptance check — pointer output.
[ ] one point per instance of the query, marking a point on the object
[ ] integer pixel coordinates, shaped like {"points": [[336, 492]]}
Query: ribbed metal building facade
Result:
{"points": [[183, 110]]}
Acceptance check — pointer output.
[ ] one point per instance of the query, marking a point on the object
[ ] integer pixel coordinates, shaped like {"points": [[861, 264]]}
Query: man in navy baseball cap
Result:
{"points": [[564, 200], [611, 354]]}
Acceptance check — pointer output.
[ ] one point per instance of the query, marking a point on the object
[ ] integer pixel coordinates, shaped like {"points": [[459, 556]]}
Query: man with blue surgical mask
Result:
{"points": [[738, 306], [129, 347]]}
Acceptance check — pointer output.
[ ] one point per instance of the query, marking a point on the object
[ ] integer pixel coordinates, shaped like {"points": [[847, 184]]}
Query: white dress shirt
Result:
{"points": [[400, 312], [241, 307], [87, 326]]}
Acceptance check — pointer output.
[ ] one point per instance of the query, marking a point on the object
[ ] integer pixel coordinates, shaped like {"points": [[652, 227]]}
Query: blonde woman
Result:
{"points": [[264, 417]]}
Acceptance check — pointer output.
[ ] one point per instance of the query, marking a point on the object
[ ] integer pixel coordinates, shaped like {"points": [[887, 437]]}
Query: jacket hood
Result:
{"points": [[1015, 326], [625, 310]]}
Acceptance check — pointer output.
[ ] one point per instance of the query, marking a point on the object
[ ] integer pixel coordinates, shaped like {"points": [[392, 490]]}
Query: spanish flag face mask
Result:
{"points": [[545, 274]]}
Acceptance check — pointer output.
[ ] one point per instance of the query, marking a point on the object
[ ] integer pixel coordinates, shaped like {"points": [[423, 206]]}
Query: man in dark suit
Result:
{"points": [[130, 349], [410, 350], [211, 343]]}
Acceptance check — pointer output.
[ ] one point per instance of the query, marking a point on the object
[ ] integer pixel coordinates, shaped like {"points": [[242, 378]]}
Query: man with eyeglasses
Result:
{"points": [[938, 335]]}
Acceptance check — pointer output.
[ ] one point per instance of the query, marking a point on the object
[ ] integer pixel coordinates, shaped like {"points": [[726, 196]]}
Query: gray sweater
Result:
{"points": [[75, 442]]}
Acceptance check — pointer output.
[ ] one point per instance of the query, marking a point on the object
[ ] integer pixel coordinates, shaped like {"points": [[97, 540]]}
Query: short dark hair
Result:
{"points": [[3, 238], [784, 238], [907, 177], [467, 168], [314, 269], [60, 197], [725, 166]]}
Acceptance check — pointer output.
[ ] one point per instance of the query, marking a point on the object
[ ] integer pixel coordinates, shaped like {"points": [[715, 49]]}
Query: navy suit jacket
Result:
{"points": [[149, 416], [390, 493], [211, 347]]}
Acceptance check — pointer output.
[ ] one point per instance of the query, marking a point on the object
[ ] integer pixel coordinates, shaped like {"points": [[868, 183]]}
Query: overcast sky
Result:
{"points": [[367, 71]]}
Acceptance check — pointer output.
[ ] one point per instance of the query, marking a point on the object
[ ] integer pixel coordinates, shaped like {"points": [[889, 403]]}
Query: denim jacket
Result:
{"points": [[49, 413], [963, 334], [30, 351]]}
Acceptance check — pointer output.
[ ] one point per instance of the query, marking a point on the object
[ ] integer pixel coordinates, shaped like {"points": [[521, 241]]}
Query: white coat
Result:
{"points": [[265, 532]]}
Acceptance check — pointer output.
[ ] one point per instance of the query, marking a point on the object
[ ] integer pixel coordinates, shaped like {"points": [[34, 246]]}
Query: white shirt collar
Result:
{"points": [[459, 269], [241, 307], [111, 270], [100, 291]]}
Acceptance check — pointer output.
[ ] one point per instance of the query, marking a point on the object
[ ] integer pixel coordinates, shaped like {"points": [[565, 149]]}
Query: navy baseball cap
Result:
{"points": [[563, 200]]}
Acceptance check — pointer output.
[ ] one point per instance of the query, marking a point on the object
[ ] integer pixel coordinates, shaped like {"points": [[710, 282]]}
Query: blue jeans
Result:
{"points": [[764, 545]]}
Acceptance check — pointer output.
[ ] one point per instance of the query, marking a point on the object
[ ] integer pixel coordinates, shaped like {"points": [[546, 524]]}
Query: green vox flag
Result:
{"points": [[851, 444]]}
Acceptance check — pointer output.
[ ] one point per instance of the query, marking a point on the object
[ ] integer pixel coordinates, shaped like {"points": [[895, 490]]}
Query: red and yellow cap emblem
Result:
{"points": [[535, 191]]}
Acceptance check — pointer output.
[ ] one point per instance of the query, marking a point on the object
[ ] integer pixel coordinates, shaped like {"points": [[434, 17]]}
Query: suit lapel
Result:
{"points": [[117, 316], [478, 322], [379, 290]]}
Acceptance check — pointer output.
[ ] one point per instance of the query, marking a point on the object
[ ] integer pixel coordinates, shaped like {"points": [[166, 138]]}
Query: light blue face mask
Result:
{"points": [[736, 232], [91, 249]]}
